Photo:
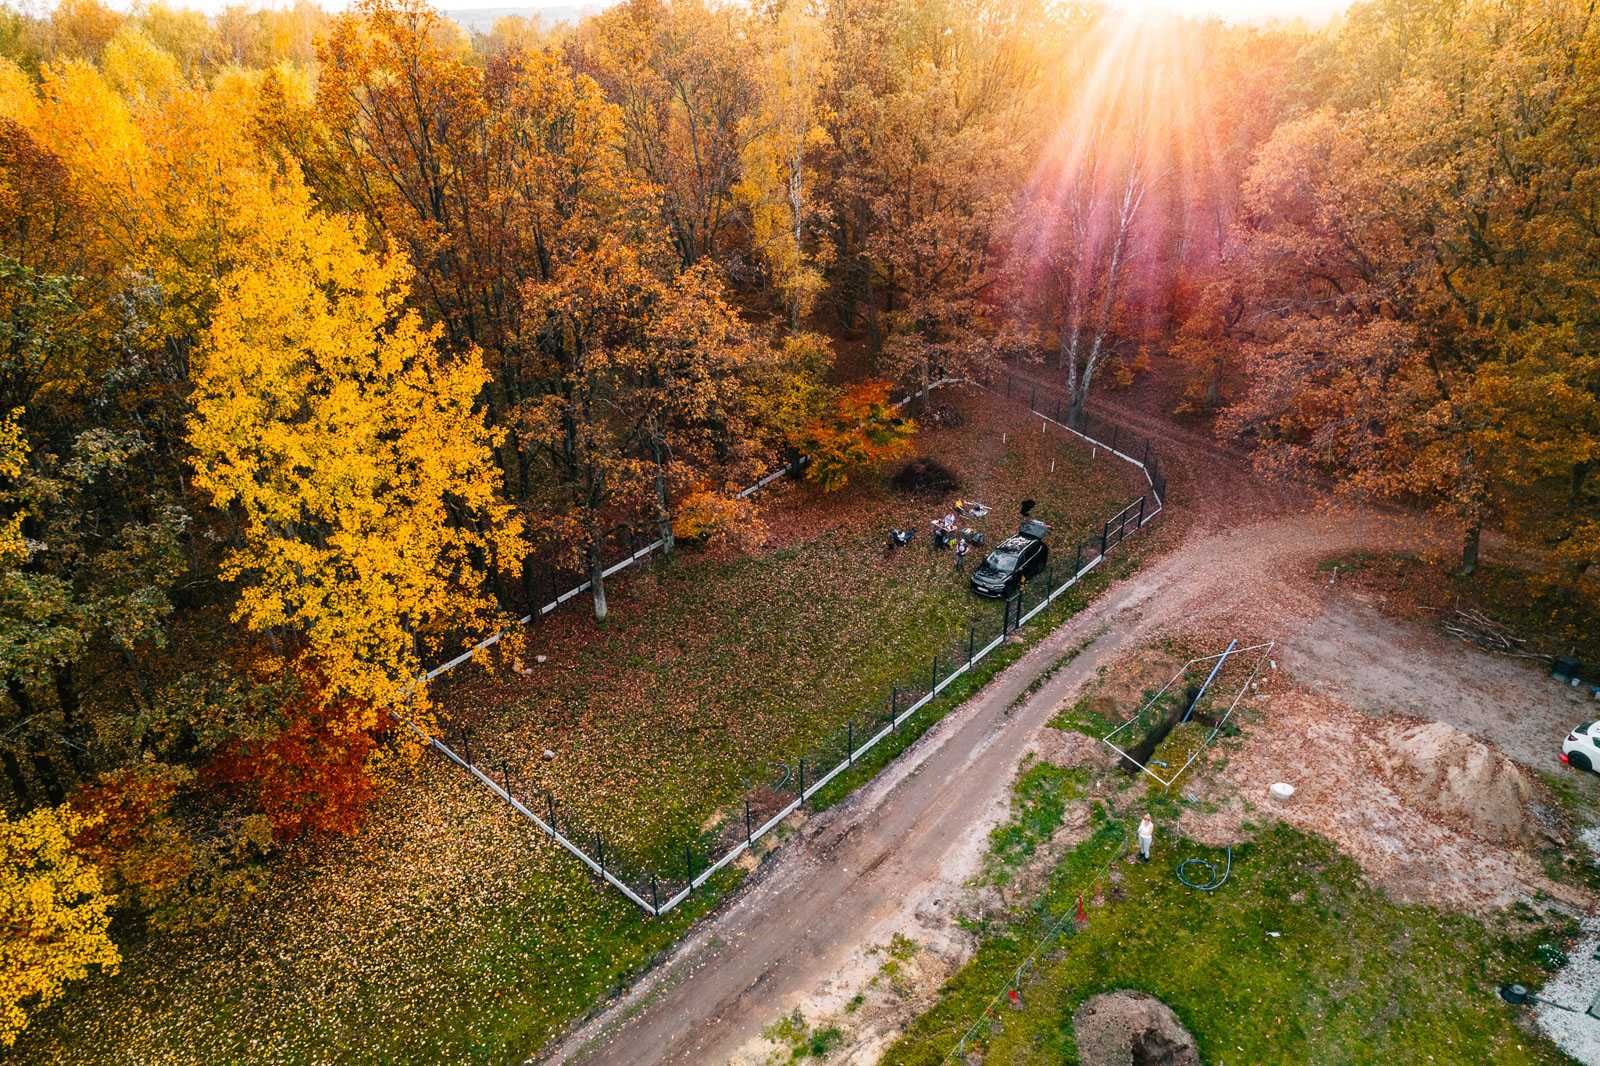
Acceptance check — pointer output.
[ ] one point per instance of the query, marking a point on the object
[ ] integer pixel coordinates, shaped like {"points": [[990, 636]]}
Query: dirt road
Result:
{"points": [[896, 856], [907, 842]]}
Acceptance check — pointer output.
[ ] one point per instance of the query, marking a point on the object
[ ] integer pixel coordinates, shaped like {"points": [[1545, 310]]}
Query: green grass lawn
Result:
{"points": [[449, 930], [1348, 978]]}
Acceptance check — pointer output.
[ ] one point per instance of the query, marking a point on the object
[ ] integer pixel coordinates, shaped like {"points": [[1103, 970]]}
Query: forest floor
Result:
{"points": [[847, 939], [449, 929]]}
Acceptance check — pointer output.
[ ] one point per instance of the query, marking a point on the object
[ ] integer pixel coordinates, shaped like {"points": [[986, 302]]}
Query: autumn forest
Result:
{"points": [[332, 342]]}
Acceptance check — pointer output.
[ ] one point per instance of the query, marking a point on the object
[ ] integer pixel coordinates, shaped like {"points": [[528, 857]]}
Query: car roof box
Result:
{"points": [[1032, 527]]}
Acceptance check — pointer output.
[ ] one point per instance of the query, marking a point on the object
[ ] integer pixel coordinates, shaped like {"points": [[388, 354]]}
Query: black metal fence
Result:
{"points": [[662, 879]]}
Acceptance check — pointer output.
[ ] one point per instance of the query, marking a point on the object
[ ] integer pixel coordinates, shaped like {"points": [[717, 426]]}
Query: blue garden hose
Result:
{"points": [[1212, 882]]}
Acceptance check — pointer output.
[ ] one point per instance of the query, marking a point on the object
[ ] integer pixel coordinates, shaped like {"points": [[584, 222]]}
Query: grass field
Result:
{"points": [[448, 930], [1296, 959]]}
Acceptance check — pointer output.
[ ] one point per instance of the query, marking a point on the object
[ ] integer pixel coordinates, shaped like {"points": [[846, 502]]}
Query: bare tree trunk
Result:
{"points": [[1469, 549], [663, 497], [19, 784], [597, 578]]}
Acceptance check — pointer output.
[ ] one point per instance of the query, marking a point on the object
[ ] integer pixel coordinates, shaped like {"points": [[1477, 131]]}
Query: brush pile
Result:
{"points": [[1478, 629]]}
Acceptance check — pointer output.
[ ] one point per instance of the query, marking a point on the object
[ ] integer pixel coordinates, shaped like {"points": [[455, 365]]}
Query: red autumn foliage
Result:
{"points": [[313, 775]]}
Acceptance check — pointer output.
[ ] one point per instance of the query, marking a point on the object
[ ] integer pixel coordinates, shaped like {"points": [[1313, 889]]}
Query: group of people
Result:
{"points": [[945, 531]]}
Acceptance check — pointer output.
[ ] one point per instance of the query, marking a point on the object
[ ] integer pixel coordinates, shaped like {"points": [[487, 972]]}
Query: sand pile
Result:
{"points": [[1460, 779], [1131, 1029]]}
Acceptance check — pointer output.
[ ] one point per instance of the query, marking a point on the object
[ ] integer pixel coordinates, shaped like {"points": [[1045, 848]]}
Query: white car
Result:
{"points": [[1582, 747]]}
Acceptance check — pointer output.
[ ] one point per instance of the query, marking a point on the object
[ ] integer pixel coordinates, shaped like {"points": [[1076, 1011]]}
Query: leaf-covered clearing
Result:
{"points": [[449, 930]]}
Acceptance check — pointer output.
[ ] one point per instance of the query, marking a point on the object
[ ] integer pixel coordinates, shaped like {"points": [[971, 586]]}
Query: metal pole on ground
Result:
{"points": [[749, 838], [1212, 676], [972, 635]]}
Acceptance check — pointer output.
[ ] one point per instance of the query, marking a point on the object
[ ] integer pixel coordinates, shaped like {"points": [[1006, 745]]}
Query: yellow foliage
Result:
{"points": [[53, 913], [138, 67], [13, 458], [324, 414]]}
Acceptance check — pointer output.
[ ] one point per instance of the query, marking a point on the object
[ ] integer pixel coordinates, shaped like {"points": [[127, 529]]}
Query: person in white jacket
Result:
{"points": [[1147, 836]]}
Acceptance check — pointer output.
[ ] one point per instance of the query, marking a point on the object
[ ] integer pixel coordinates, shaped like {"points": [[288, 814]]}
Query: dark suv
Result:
{"points": [[1013, 559]]}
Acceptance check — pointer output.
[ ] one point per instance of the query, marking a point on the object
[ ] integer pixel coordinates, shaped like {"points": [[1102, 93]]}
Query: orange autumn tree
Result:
{"points": [[862, 428], [1420, 281], [311, 776], [325, 417]]}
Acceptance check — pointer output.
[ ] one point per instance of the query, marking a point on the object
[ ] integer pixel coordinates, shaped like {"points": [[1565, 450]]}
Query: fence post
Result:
{"points": [[1050, 578], [1141, 510], [933, 685], [1146, 459], [1058, 410], [1033, 398], [1114, 430], [466, 747], [749, 837], [505, 777], [655, 898], [850, 741], [894, 706], [688, 863], [1105, 536], [972, 635], [1077, 563], [600, 853], [550, 805], [802, 780]]}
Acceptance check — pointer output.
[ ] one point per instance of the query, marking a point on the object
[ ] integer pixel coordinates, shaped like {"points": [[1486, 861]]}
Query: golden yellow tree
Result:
{"points": [[324, 414], [53, 915], [778, 179]]}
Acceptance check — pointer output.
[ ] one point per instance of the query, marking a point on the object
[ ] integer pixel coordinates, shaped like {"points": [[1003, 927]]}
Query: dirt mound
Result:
{"points": [[1431, 814], [1069, 748], [1123, 686], [1460, 779], [1131, 1029], [925, 477]]}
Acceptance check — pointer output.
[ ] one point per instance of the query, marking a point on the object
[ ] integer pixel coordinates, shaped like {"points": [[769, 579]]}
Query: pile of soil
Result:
{"points": [[1460, 779], [1069, 748], [1131, 1029], [925, 477], [1124, 685], [1431, 813]]}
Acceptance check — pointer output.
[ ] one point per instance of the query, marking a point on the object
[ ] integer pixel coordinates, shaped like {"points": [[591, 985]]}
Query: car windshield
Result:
{"points": [[1003, 559]]}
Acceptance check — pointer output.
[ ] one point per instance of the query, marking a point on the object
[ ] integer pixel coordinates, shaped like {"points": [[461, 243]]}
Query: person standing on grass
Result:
{"points": [[1147, 836], [961, 555]]}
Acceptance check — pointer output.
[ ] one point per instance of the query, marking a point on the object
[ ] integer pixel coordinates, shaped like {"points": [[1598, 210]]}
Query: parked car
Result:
{"points": [[1013, 559], [1582, 747]]}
